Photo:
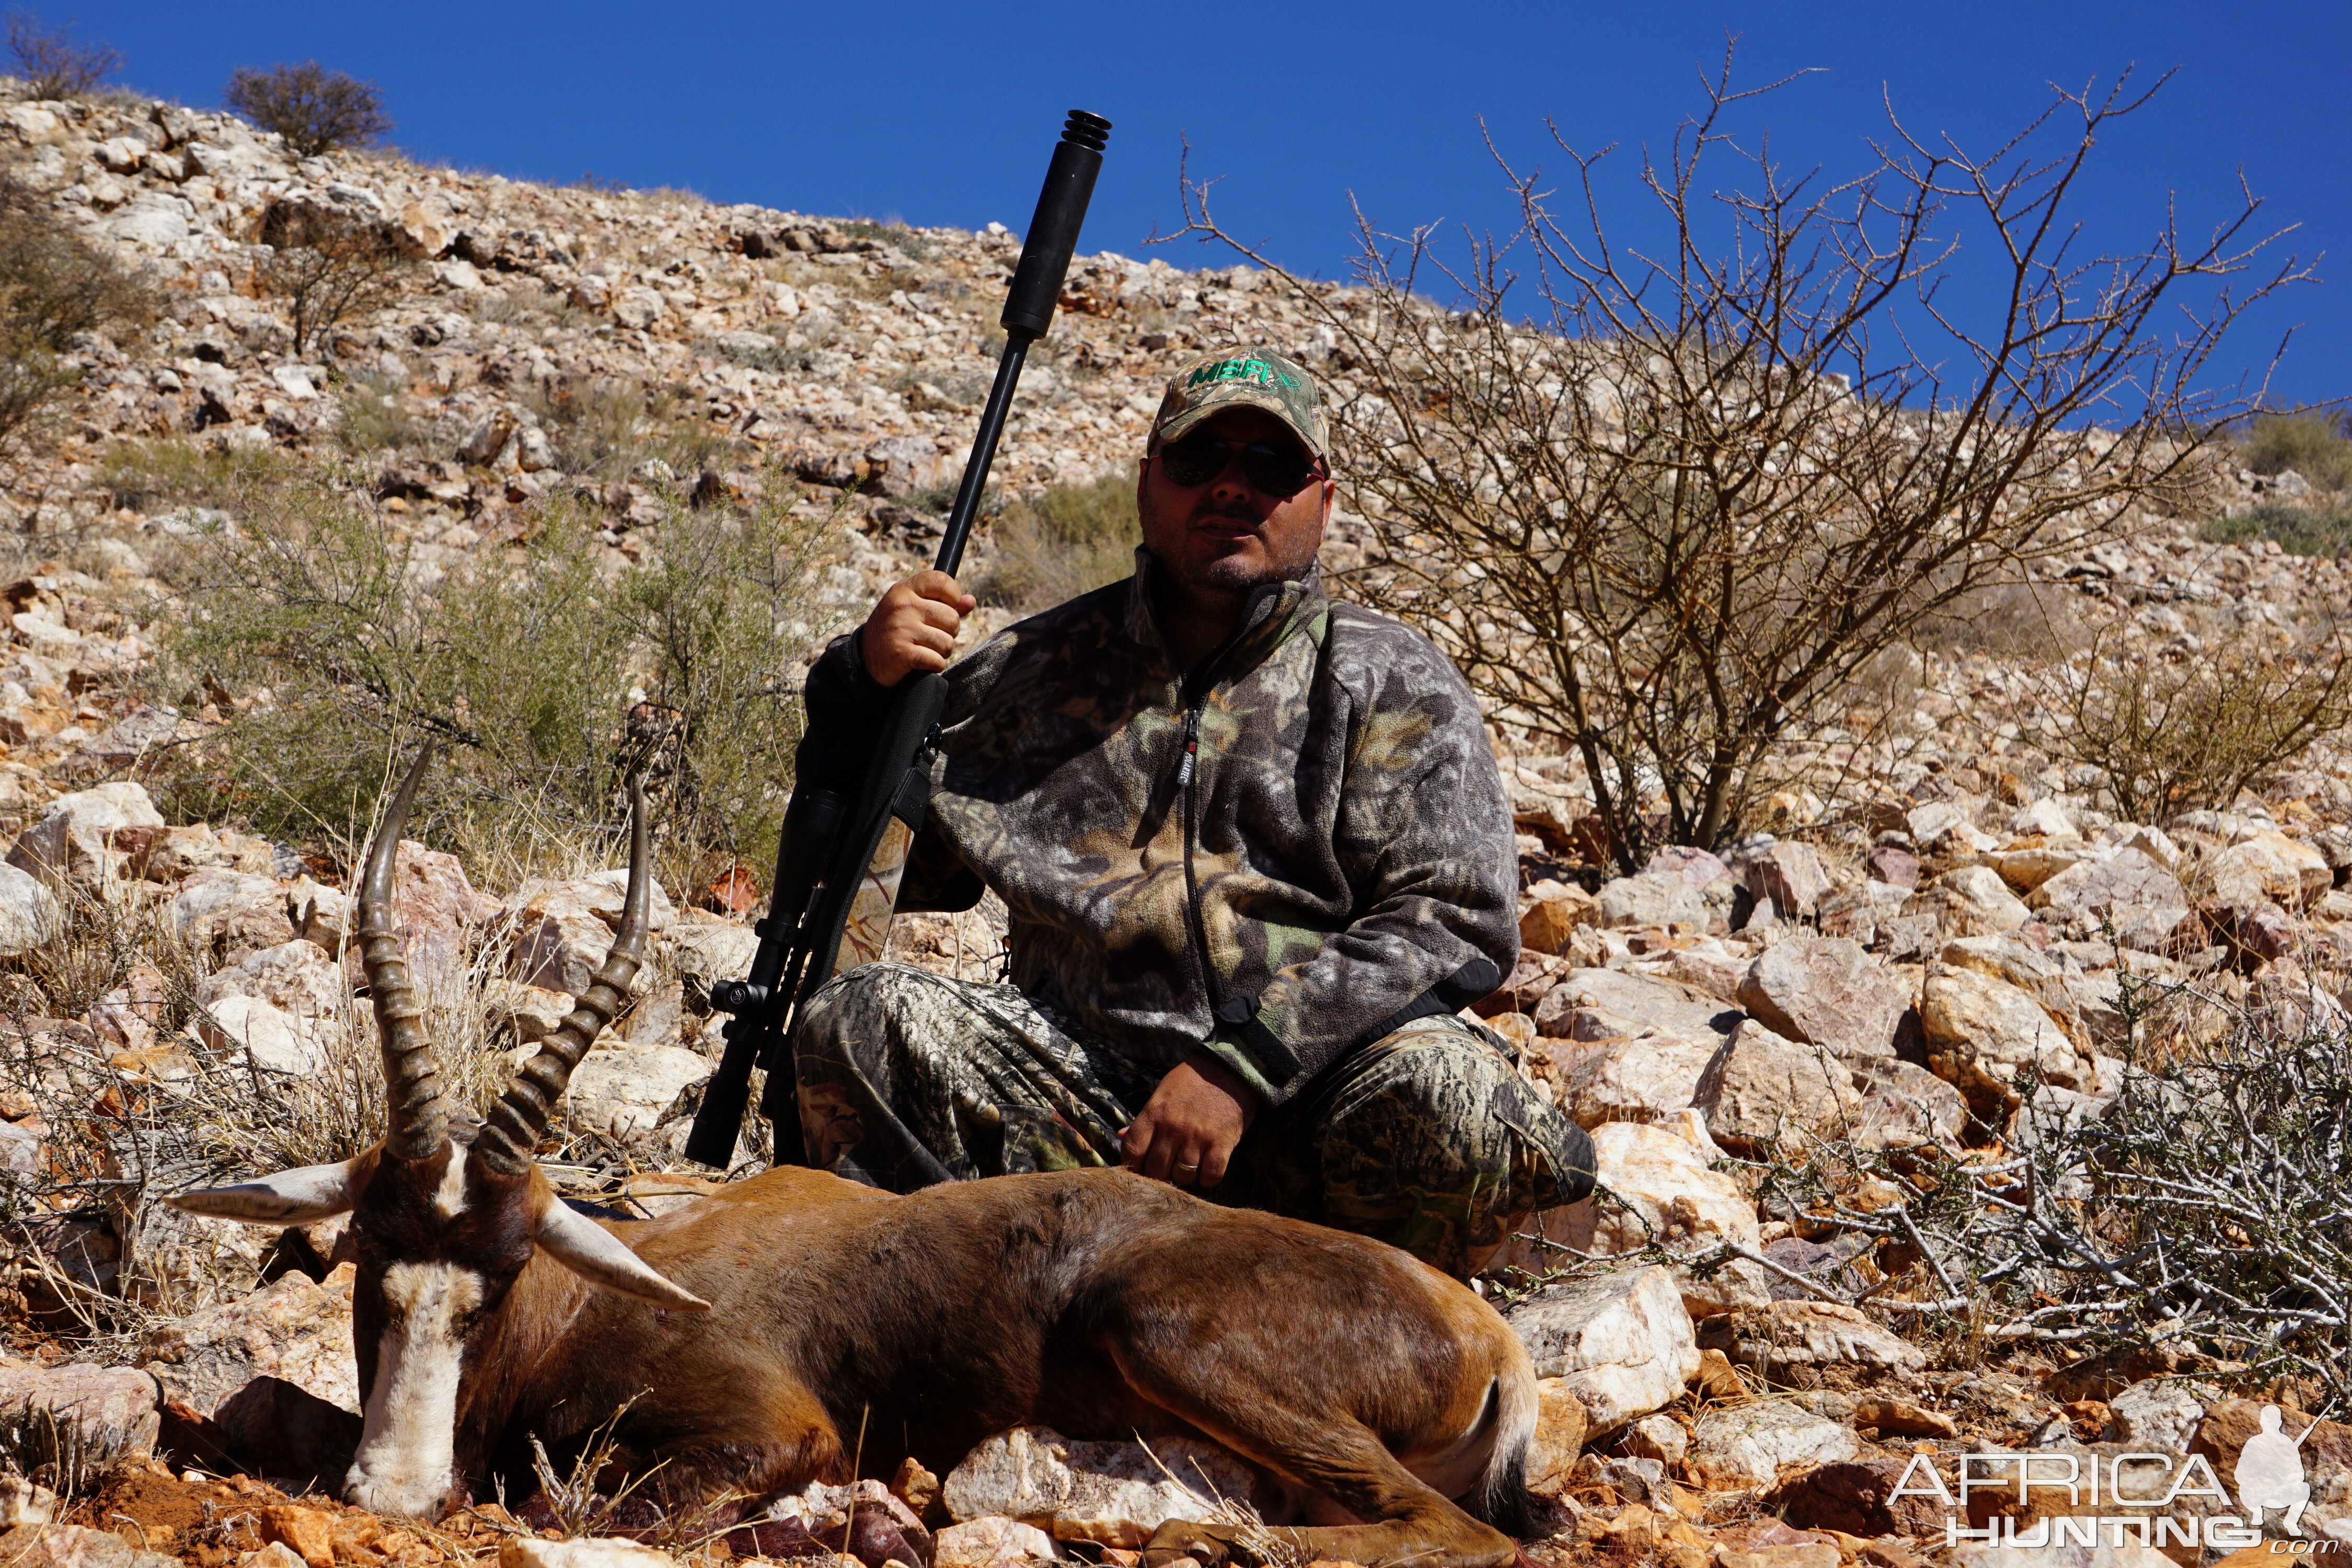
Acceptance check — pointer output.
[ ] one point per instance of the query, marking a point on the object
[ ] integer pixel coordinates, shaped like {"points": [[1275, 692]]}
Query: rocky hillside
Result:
{"points": [[1851, 1080]]}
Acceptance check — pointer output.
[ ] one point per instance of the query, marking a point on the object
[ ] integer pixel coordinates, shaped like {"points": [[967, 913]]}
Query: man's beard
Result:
{"points": [[1234, 572]]}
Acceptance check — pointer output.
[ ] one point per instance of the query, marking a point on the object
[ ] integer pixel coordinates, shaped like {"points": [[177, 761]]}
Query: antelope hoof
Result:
{"points": [[1209, 1545]]}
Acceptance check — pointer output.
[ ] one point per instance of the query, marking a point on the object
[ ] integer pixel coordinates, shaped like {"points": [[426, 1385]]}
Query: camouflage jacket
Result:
{"points": [[1295, 850]]}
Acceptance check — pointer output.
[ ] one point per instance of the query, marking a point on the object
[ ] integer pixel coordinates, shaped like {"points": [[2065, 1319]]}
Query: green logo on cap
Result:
{"points": [[1255, 370]]}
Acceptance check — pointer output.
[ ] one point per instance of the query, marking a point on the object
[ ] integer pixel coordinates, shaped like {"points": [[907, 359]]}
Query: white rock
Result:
{"points": [[70, 838], [29, 913], [1112, 1493], [985, 1543], [1644, 1078], [233, 912], [294, 1328], [1826, 991], [1816, 1333], [1668, 1195], [1652, 898], [1760, 1087], [267, 1036], [1746, 1444], [1974, 900], [1976, 1554], [2046, 818], [1623, 1343], [295, 976], [2156, 1416], [151, 221], [589, 1552], [625, 1091], [1983, 1031]]}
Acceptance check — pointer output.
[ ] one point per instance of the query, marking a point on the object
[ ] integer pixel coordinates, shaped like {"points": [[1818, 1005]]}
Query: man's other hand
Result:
{"points": [[913, 627], [1187, 1132]]}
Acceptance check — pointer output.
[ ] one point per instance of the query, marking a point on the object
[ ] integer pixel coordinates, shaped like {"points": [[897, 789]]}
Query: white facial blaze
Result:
{"points": [[408, 1444], [449, 1198]]}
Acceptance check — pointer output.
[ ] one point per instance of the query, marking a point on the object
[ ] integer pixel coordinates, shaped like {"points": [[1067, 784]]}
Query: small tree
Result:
{"points": [[51, 63], [316, 109], [1665, 510], [332, 278]]}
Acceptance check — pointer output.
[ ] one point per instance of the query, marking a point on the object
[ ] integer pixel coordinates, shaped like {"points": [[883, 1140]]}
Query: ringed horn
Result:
{"points": [[419, 1117]]}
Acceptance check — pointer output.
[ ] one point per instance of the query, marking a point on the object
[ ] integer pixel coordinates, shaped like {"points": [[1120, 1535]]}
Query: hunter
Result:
{"points": [[1255, 856]]}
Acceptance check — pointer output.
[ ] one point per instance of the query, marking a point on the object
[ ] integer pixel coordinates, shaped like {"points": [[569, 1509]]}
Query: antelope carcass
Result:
{"points": [[748, 1332]]}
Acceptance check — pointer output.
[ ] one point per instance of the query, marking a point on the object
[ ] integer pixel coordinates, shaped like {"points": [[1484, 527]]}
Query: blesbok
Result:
{"points": [[754, 1328]]}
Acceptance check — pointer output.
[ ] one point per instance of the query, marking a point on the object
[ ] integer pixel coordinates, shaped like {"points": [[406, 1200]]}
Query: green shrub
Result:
{"points": [[1068, 540], [172, 470], [376, 415], [2312, 444], [2321, 530], [550, 675]]}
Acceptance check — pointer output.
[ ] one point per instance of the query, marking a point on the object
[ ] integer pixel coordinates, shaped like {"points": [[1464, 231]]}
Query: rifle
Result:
{"points": [[839, 860]]}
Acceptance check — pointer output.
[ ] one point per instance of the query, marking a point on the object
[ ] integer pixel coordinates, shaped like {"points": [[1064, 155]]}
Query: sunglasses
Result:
{"points": [[1273, 470]]}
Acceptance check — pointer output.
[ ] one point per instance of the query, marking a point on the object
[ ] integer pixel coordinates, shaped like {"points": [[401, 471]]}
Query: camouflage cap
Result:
{"points": [[1249, 378]]}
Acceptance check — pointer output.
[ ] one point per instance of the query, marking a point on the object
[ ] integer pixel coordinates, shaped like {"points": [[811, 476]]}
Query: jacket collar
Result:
{"points": [[1273, 610]]}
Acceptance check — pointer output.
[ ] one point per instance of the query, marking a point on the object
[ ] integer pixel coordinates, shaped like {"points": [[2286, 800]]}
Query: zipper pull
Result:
{"points": [[1191, 748]]}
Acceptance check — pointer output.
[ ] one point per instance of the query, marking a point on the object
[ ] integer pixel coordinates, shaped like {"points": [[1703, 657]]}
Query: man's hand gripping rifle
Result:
{"points": [[837, 860]]}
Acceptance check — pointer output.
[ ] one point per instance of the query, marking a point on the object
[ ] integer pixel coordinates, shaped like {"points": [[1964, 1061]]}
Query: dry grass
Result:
{"points": [[2188, 726]]}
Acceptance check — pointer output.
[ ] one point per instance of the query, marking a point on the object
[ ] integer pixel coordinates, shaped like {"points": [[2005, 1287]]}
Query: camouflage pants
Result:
{"points": [[1425, 1139]]}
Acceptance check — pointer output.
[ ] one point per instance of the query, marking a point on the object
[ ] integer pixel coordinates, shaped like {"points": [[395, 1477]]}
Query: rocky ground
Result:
{"points": [[1820, 1067]]}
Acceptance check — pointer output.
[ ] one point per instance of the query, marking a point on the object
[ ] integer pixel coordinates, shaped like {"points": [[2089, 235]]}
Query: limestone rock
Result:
{"points": [[626, 1090], [1983, 1033], [1112, 1493], [1561, 1426], [1622, 1344], [294, 1328], [1659, 1437], [272, 1039], [434, 909], [589, 1552], [1667, 1194], [30, 915], [1647, 1076], [2130, 891], [71, 839], [1652, 898], [529, 1012], [73, 1546], [230, 912], [1554, 917], [705, 951], [1746, 1444], [1903, 1105], [985, 1543], [1806, 1333], [1788, 878], [104, 1414], [2156, 1414], [1826, 991], [566, 928], [1625, 1004], [2268, 867], [1973, 900], [1760, 1088]]}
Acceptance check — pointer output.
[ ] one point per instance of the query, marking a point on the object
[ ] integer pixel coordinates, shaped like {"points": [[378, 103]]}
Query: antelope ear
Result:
{"points": [[289, 1197], [596, 1255]]}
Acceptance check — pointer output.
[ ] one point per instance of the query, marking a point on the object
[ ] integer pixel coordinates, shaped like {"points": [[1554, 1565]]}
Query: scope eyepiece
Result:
{"points": [[1091, 131]]}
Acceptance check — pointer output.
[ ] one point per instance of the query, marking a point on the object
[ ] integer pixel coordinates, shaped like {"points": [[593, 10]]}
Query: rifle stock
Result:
{"points": [[827, 845]]}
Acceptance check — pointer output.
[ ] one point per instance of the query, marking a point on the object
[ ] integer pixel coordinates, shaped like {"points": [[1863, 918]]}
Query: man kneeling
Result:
{"points": [[1256, 854]]}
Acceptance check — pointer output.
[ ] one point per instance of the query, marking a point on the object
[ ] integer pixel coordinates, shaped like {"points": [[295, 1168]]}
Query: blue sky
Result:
{"points": [[943, 114]]}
